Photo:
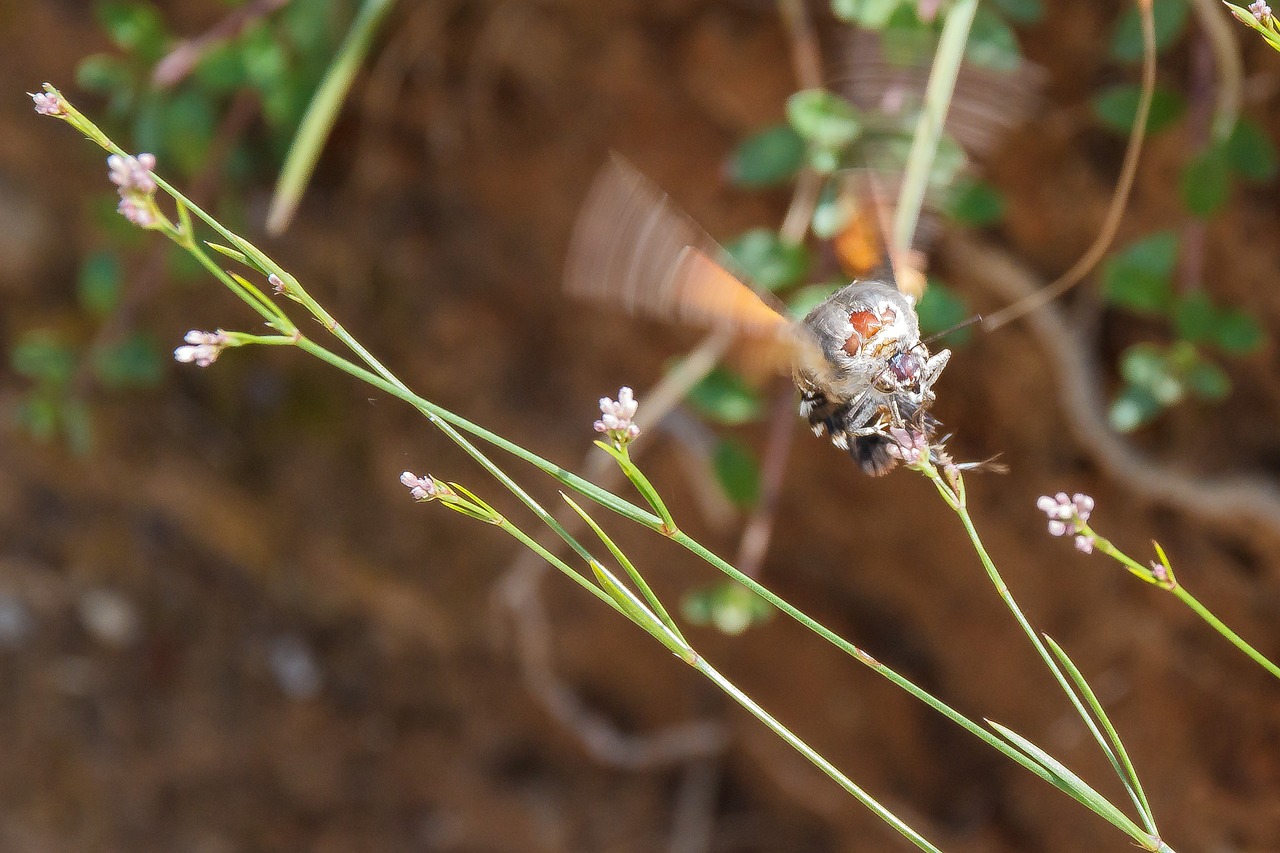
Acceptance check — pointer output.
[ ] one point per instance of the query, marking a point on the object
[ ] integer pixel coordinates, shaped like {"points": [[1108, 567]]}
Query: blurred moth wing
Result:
{"points": [[633, 247]]}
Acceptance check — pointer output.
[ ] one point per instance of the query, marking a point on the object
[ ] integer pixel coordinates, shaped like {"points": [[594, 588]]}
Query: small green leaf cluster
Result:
{"points": [[1233, 152], [280, 59], [1139, 278], [907, 37], [1156, 377], [56, 361]]}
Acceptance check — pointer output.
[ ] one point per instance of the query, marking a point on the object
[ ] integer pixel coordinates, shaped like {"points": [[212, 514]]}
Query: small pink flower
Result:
{"points": [[277, 286], [132, 174], [140, 212], [1261, 11], [420, 488], [202, 349], [910, 446], [1067, 515], [48, 104], [616, 417]]}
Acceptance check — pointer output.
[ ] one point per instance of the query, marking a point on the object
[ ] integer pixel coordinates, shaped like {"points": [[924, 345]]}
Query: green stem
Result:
{"points": [[636, 577], [634, 513], [565, 569], [1003, 591], [321, 114], [808, 752], [1217, 624], [1172, 585], [937, 101]]}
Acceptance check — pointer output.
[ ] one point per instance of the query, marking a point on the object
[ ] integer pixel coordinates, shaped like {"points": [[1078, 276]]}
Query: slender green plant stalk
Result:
{"points": [[1163, 577], [937, 102], [956, 499], [321, 114]]}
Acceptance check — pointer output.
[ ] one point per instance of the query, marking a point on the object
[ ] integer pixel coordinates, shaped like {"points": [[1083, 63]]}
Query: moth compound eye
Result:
{"points": [[906, 366]]}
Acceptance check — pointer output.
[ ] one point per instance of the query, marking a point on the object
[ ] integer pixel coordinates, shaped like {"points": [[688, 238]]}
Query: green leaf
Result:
{"points": [[221, 70], [77, 425], [1143, 365], [1205, 182], [1170, 16], [767, 158], [728, 606], [37, 416], [133, 362], [1139, 276], [636, 610], [1208, 381], [1133, 408], [1195, 317], [906, 40], [1237, 332], [768, 260], [1198, 320], [974, 202], [1071, 784], [805, 299], [823, 118], [134, 27], [941, 308], [869, 14], [1117, 106], [98, 283], [1250, 152], [182, 266], [103, 73], [1021, 11], [831, 213], [41, 356], [737, 472], [1161, 372], [723, 396], [991, 43], [188, 122]]}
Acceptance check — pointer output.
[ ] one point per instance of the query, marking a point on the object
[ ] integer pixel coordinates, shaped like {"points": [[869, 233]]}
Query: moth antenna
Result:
{"points": [[963, 324]]}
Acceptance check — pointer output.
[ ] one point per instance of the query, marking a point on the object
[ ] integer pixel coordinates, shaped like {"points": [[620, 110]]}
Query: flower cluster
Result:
{"points": [[48, 103], [616, 417], [202, 348], [132, 176], [422, 488], [1069, 515], [1261, 11], [908, 445]]}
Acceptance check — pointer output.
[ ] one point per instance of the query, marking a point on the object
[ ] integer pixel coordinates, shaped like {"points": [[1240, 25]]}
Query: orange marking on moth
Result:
{"points": [[865, 324]]}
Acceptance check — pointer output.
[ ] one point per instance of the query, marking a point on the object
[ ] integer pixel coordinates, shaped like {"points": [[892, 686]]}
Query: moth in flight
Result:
{"points": [[857, 358]]}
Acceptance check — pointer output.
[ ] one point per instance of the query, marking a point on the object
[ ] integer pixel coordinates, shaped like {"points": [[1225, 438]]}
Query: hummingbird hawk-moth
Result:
{"points": [[857, 358]]}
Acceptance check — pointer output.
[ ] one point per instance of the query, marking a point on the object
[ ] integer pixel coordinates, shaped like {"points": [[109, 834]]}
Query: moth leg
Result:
{"points": [[933, 367]]}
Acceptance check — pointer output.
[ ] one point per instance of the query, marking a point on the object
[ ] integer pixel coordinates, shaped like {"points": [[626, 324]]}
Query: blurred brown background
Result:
{"points": [[227, 628]]}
